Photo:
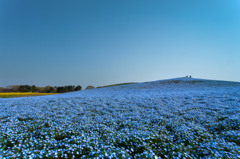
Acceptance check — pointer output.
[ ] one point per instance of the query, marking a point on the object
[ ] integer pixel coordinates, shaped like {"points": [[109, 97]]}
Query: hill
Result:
{"points": [[119, 84], [174, 118]]}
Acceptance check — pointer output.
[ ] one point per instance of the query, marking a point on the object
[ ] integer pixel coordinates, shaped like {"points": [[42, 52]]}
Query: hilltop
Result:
{"points": [[174, 118], [176, 85]]}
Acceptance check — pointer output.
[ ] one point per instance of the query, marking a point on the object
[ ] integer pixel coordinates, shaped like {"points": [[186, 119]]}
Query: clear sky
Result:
{"points": [[99, 42]]}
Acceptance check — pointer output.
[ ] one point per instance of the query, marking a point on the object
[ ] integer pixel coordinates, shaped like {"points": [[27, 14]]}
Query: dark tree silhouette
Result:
{"points": [[78, 88]]}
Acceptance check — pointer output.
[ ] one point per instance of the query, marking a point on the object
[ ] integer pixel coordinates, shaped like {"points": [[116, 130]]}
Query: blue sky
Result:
{"points": [[93, 42]]}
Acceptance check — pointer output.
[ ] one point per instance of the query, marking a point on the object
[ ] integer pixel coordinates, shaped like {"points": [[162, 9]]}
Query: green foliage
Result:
{"points": [[78, 88], [132, 144], [47, 89], [50, 90], [64, 89], [27, 88]]}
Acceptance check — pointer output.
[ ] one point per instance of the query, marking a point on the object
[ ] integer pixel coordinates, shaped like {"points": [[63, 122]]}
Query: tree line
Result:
{"points": [[47, 89]]}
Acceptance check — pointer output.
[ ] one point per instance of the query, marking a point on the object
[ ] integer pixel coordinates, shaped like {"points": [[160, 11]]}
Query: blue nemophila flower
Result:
{"points": [[142, 121]]}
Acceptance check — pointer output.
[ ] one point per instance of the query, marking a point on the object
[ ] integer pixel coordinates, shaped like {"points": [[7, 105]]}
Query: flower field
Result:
{"points": [[22, 94], [178, 118]]}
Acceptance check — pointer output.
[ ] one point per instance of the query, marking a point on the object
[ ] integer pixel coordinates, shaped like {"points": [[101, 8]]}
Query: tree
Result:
{"points": [[34, 88], [50, 90], [78, 88], [61, 89], [25, 88], [69, 88], [90, 87]]}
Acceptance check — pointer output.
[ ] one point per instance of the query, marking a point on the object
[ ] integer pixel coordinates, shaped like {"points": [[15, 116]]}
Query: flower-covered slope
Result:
{"points": [[176, 118]]}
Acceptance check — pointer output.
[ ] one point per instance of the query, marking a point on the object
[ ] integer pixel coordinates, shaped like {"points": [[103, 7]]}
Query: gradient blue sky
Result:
{"points": [[99, 42]]}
